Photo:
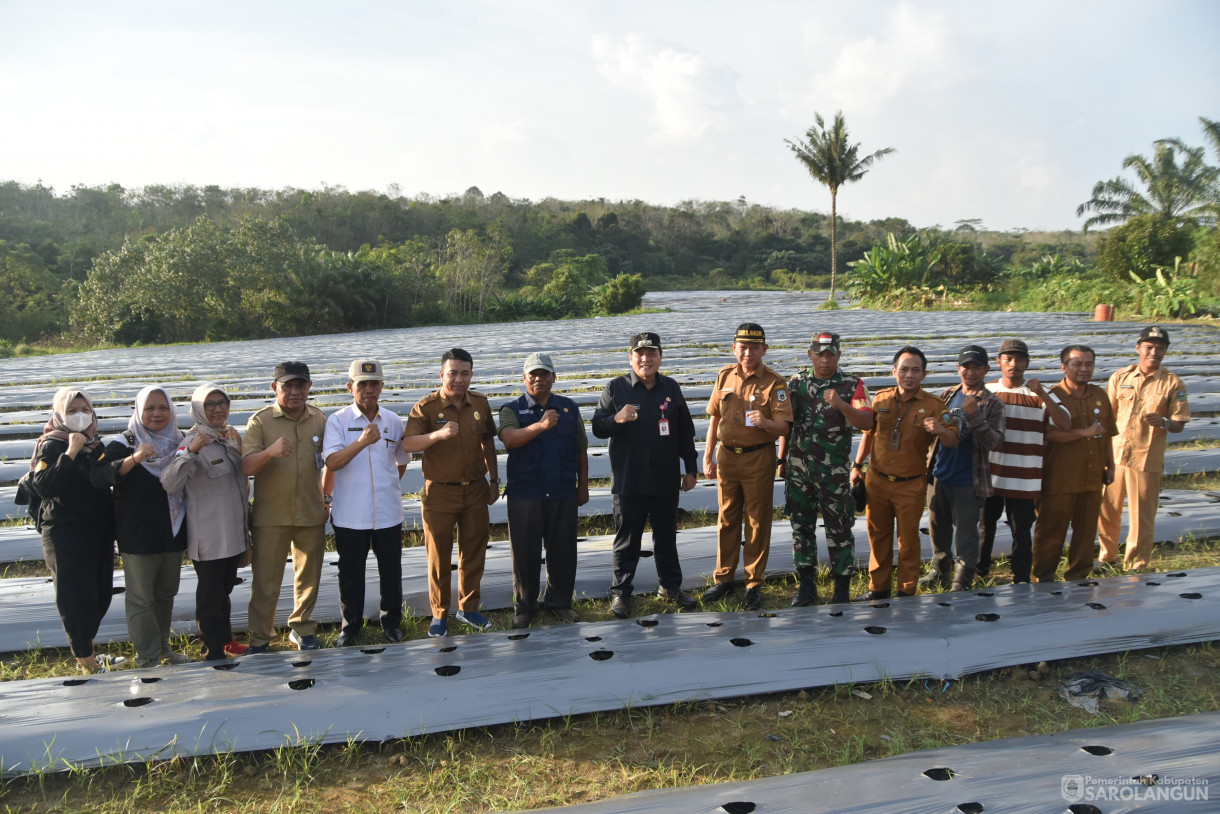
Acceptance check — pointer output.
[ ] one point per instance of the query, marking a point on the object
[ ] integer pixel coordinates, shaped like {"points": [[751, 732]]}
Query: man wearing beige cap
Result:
{"points": [[364, 464], [750, 410], [548, 478]]}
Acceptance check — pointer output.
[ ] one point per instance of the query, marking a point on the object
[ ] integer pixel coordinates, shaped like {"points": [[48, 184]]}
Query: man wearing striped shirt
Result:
{"points": [[1016, 467]]}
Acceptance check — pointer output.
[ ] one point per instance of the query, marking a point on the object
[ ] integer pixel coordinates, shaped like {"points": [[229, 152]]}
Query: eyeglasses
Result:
{"points": [[214, 405]]}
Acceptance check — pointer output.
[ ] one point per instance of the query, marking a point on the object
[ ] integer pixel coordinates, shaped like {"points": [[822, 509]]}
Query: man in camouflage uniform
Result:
{"points": [[826, 404]]}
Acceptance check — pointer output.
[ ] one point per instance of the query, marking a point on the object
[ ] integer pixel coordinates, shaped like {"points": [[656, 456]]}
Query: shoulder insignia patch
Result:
{"points": [[41, 466], [1181, 395], [781, 396]]}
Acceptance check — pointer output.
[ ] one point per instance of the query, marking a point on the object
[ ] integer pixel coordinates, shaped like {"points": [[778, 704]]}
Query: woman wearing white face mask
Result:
{"points": [[149, 526], [77, 522]]}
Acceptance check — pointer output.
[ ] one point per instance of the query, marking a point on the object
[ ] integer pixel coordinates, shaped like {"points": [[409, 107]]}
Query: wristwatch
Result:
{"points": [[328, 499]]}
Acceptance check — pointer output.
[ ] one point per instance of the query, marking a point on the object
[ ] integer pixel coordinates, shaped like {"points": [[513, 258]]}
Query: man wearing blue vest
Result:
{"points": [[548, 478]]}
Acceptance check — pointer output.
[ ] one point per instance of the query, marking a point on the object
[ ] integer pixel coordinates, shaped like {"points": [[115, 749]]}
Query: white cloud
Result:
{"points": [[866, 73], [689, 95]]}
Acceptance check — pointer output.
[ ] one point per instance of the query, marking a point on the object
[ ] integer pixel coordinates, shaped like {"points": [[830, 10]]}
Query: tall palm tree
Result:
{"points": [[1211, 131], [1175, 191], [833, 160]]}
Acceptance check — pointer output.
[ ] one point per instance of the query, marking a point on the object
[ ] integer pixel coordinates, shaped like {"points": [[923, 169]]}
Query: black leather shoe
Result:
{"points": [[620, 607], [522, 620], [678, 596], [717, 592], [345, 639], [565, 615], [872, 596], [393, 634], [753, 600]]}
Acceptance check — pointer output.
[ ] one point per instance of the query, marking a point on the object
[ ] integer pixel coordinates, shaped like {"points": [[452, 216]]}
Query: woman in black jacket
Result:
{"points": [[149, 526], [77, 520]]}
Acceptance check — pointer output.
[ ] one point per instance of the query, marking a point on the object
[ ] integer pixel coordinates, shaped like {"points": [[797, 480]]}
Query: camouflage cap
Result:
{"points": [[823, 341]]}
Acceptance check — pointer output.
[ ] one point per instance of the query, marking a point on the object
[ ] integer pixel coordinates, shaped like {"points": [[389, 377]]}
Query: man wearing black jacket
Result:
{"points": [[651, 431]]}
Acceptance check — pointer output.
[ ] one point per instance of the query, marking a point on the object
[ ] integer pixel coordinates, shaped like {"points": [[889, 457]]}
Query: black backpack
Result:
{"points": [[26, 496]]}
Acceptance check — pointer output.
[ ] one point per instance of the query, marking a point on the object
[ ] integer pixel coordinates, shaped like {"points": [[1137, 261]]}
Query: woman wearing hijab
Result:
{"points": [[77, 521], [207, 467], [149, 525]]}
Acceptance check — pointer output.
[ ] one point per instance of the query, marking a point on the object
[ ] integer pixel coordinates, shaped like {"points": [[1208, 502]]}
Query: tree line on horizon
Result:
{"points": [[185, 263]]}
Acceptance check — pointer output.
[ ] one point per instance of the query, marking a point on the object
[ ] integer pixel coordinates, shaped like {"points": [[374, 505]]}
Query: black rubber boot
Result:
{"points": [[842, 592], [807, 592]]}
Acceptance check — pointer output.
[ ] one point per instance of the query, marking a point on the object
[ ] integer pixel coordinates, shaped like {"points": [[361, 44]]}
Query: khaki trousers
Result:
{"points": [[445, 507], [746, 486], [1055, 514], [890, 504], [1143, 492], [272, 545]]}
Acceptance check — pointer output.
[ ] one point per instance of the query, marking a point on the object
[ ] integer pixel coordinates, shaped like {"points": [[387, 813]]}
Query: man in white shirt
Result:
{"points": [[364, 464]]}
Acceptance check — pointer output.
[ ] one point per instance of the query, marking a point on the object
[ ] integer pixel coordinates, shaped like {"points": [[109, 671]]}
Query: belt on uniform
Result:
{"points": [[894, 479], [742, 450], [448, 483]]}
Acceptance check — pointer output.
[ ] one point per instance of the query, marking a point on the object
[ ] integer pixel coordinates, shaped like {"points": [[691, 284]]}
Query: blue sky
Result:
{"points": [[1004, 111]]}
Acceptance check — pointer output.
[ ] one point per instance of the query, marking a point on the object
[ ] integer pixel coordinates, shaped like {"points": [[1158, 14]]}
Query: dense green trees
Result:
{"points": [[833, 160], [367, 260]]}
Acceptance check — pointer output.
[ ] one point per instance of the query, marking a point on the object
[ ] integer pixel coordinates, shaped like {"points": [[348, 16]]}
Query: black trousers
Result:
{"points": [[535, 526], [631, 512], [213, 608], [82, 564], [353, 546], [1021, 516]]}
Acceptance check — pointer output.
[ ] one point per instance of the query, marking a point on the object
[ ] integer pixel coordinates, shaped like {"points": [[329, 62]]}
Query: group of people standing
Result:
{"points": [[975, 452]]}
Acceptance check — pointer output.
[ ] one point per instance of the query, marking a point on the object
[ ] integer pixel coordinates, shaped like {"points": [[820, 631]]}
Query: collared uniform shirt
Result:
{"points": [[288, 491], [642, 461], [459, 459], [1132, 394], [735, 395], [911, 457], [1077, 466], [368, 493]]}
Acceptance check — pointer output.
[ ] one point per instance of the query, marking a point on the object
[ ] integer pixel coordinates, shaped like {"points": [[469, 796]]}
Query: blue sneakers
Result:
{"points": [[438, 629], [304, 642], [474, 619]]}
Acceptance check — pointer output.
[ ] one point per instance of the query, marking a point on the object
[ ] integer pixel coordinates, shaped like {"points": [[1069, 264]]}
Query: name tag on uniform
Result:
{"points": [[663, 426]]}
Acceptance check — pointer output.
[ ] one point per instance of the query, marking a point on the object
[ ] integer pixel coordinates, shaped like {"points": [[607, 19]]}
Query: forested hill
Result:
{"points": [[186, 263]]}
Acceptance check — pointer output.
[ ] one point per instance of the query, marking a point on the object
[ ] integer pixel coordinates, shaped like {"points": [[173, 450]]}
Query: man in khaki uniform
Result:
{"points": [[1148, 402], [750, 409], [455, 426], [283, 451], [1077, 465], [908, 420]]}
